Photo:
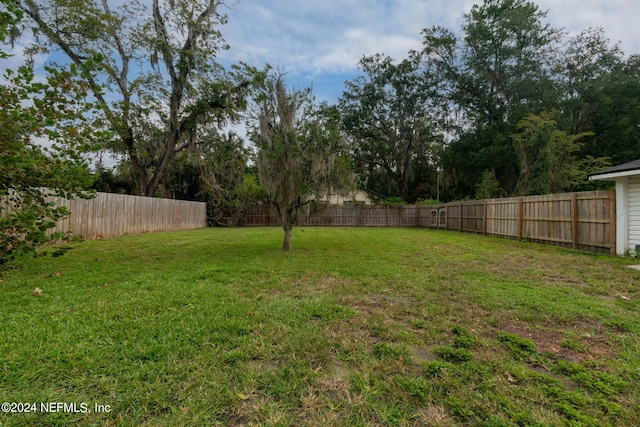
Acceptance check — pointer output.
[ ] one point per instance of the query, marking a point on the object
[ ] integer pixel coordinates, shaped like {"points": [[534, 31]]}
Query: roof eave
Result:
{"points": [[613, 175]]}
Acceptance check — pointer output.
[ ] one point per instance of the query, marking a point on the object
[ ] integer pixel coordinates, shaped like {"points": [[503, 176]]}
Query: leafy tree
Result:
{"points": [[548, 162], [488, 187], [229, 184], [581, 72], [497, 73], [392, 125], [299, 146], [43, 130], [613, 106], [157, 67]]}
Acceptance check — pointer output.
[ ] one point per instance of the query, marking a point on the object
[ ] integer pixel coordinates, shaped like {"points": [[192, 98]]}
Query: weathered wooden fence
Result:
{"points": [[112, 215], [346, 215], [583, 220]]}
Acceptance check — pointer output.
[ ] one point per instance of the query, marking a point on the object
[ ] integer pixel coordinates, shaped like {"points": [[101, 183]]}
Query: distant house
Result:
{"points": [[627, 179], [357, 197]]}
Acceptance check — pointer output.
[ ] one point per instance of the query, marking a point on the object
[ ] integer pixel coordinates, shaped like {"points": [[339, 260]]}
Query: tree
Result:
{"points": [[582, 71], [616, 116], [299, 146], [157, 81], [43, 130], [392, 124], [229, 185], [548, 162], [496, 74], [10, 16]]}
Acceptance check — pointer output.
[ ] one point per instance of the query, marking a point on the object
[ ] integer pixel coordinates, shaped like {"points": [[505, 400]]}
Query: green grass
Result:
{"points": [[354, 327]]}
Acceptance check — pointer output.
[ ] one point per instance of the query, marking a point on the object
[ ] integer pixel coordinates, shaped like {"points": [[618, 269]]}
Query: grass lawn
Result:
{"points": [[354, 327]]}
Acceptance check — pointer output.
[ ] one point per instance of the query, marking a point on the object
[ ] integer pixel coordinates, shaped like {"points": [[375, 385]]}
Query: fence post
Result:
{"points": [[574, 220], [484, 218], [520, 217], [446, 217]]}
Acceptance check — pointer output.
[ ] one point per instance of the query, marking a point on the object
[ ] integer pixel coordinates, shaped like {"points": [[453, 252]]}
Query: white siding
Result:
{"points": [[634, 211]]}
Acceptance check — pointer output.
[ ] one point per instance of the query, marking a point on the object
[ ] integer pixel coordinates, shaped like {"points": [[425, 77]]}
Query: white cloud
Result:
{"points": [[318, 39], [618, 18]]}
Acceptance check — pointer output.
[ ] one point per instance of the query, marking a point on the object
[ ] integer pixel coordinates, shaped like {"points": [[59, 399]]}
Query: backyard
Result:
{"points": [[353, 327]]}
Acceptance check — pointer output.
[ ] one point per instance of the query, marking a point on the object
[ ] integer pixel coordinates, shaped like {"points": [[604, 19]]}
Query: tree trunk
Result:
{"points": [[522, 187], [286, 243]]}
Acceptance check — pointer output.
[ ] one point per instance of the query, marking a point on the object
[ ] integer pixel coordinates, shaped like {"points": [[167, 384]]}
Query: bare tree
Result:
{"points": [[299, 151]]}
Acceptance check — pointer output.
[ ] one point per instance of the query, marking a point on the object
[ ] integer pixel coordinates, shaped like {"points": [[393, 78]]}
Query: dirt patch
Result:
{"points": [[421, 354], [571, 345]]}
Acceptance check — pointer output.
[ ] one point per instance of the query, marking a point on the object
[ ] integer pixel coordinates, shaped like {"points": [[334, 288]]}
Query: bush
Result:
{"points": [[394, 201]]}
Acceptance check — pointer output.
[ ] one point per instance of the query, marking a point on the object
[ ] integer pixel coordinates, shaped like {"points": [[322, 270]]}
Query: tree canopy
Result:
{"points": [[157, 81], [392, 124]]}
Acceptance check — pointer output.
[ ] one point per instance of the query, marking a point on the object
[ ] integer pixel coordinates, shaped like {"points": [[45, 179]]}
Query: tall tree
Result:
{"points": [[391, 123], [616, 114], [157, 79], [299, 147], [496, 74], [581, 72], [602, 95]]}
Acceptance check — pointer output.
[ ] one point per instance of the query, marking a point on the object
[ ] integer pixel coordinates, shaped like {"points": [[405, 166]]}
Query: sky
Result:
{"points": [[319, 42]]}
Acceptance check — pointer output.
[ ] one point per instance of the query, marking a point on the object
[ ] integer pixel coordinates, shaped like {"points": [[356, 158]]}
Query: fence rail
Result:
{"points": [[111, 215], [585, 220]]}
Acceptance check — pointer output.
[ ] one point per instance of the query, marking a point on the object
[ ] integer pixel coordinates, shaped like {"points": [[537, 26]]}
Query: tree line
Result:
{"points": [[505, 105]]}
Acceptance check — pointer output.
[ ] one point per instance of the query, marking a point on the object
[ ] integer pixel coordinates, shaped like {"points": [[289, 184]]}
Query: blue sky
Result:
{"points": [[319, 42]]}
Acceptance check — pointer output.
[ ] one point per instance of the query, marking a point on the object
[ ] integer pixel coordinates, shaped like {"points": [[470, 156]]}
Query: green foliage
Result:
{"points": [[32, 172], [454, 354], [547, 156], [488, 187], [229, 186], [427, 202], [499, 75], [10, 16], [394, 201], [112, 180], [520, 348], [394, 130]]}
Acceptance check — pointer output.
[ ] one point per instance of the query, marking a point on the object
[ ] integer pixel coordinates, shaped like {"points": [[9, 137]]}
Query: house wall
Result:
{"points": [[357, 196], [622, 218], [634, 212]]}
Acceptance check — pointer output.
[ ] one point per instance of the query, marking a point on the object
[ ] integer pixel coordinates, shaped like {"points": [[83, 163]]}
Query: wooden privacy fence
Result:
{"points": [[347, 215], [585, 220], [112, 215]]}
